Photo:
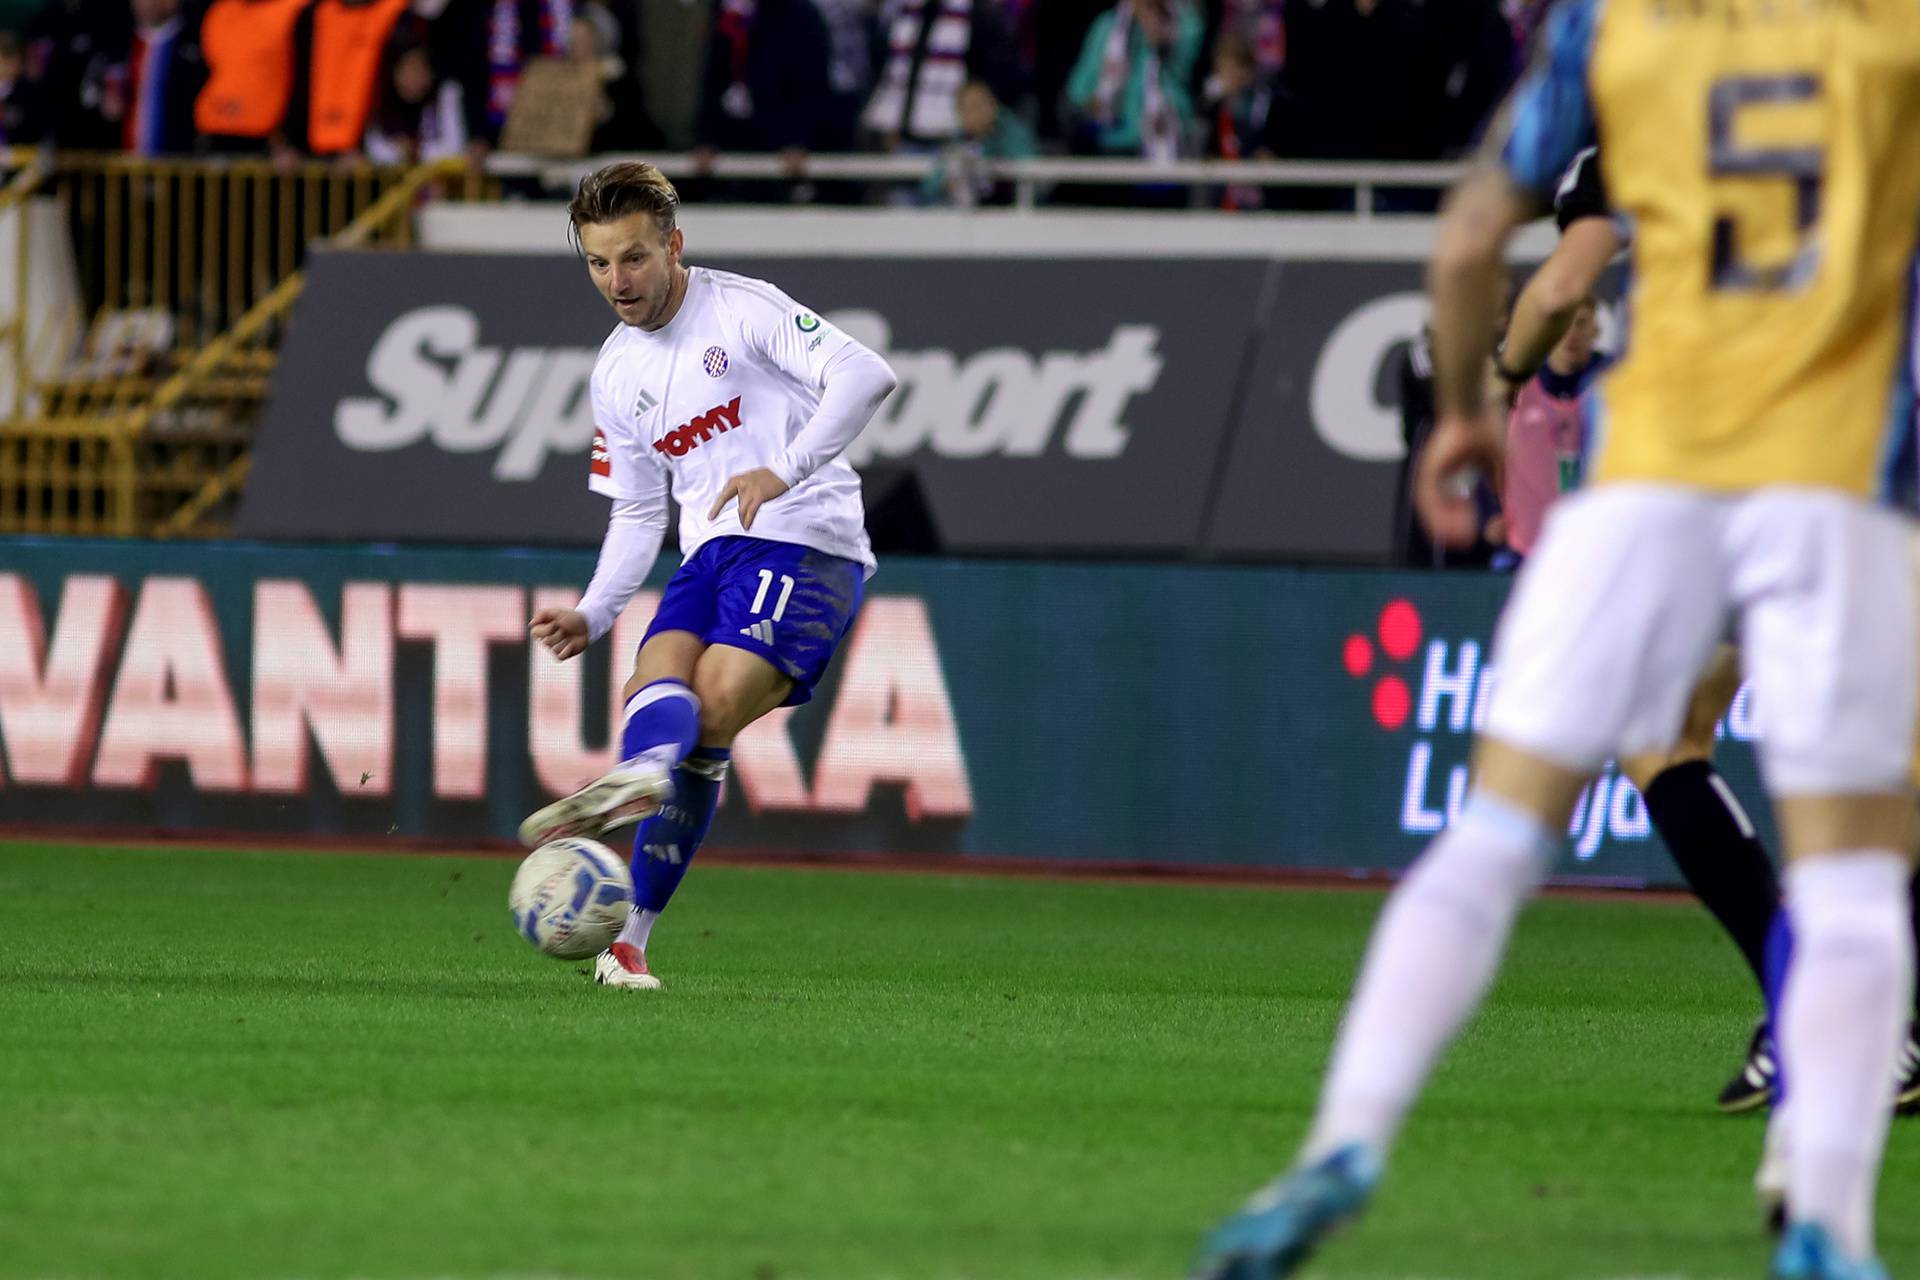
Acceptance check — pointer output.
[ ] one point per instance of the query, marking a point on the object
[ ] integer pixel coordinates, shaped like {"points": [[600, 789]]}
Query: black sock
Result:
{"points": [[1713, 843]]}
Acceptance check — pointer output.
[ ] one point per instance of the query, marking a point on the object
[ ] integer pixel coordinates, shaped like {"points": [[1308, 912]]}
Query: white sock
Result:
{"points": [[1842, 1016], [1433, 954], [1776, 1157], [639, 927]]}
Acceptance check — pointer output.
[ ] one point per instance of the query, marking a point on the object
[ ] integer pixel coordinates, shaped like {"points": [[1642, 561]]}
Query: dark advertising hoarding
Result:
{"points": [[1176, 716]]}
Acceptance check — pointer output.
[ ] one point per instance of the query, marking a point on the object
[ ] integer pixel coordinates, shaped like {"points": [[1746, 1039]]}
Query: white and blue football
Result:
{"points": [[570, 897]]}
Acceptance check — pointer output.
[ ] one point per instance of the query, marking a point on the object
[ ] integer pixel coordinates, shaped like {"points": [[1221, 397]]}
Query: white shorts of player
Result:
{"points": [[1632, 585]]}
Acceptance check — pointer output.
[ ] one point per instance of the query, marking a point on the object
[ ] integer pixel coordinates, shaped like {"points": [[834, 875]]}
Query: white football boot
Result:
{"points": [[632, 790], [624, 965]]}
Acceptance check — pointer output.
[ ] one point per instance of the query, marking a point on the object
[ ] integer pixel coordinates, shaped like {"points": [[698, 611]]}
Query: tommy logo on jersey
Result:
{"points": [[692, 434]]}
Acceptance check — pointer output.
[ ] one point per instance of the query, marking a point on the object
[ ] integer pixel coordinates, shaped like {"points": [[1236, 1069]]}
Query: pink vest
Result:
{"points": [[1544, 438]]}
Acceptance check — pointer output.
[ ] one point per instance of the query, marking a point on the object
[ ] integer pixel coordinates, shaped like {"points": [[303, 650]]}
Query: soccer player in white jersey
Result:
{"points": [[724, 392]]}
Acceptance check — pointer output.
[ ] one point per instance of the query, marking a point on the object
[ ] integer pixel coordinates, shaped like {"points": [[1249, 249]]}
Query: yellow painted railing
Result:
{"points": [[187, 274]]}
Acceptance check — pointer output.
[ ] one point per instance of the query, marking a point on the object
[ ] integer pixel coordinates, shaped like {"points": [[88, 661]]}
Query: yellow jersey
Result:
{"points": [[1765, 156]]}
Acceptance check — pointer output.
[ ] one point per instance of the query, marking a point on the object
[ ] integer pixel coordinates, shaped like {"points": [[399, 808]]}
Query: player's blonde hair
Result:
{"points": [[620, 190]]}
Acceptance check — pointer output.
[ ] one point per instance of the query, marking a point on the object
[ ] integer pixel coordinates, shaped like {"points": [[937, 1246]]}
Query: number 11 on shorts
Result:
{"points": [[766, 584]]}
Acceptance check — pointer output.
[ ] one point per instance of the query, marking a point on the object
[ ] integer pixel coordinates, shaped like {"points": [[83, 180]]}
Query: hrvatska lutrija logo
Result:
{"points": [[1435, 689]]}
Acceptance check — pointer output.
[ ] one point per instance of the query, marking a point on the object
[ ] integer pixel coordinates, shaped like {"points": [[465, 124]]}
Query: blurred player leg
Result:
{"points": [[1582, 621], [1828, 636], [1718, 852], [1770, 1182], [1779, 956], [1595, 655], [1438, 944], [1713, 840]]}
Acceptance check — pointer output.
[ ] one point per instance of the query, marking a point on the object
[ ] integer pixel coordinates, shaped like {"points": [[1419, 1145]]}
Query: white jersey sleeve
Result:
{"points": [[788, 337], [857, 384], [627, 553], [851, 379]]}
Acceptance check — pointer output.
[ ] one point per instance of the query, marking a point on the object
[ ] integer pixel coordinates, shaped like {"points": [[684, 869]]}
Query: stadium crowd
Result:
{"points": [[398, 80]]}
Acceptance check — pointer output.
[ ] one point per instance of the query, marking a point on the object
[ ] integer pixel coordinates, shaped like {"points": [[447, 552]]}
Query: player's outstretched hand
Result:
{"points": [[753, 489], [562, 630], [1461, 451]]}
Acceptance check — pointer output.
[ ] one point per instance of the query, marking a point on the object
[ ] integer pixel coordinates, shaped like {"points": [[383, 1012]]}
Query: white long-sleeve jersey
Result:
{"points": [[742, 377]]}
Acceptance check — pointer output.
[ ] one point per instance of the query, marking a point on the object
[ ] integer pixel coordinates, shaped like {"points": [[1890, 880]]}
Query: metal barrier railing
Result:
{"points": [[209, 378], [149, 433], [13, 204], [1363, 182], [206, 239]]}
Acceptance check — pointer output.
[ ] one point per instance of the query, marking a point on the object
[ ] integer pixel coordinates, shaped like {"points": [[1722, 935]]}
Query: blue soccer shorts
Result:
{"points": [[787, 603]]}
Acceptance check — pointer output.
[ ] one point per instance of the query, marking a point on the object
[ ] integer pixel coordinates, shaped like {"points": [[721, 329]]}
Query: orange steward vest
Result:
{"points": [[248, 46], [348, 38]]}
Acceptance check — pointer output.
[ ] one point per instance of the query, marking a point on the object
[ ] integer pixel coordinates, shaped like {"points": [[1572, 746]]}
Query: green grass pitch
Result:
{"points": [[224, 1064]]}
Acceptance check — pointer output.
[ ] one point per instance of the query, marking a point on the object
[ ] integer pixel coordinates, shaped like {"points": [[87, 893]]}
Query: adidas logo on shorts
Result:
{"points": [[761, 631]]}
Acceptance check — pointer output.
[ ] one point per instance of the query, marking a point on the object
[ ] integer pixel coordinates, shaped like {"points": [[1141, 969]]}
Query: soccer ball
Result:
{"points": [[570, 898]]}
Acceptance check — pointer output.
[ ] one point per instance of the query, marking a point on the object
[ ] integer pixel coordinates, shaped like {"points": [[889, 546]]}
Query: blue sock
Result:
{"points": [[663, 713], [667, 841], [1779, 956]]}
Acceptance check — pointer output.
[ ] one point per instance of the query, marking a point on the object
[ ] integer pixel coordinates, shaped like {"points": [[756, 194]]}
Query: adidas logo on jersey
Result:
{"points": [[690, 435]]}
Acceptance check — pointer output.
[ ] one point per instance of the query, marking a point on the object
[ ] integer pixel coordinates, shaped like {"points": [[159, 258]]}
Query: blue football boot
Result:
{"points": [[1807, 1252], [1286, 1220]]}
